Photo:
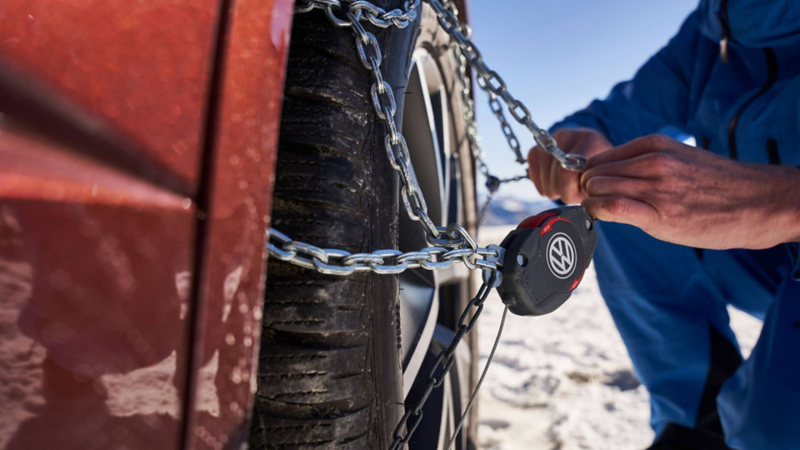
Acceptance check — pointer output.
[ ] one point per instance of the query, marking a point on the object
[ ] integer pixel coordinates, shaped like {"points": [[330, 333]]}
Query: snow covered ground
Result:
{"points": [[564, 381]]}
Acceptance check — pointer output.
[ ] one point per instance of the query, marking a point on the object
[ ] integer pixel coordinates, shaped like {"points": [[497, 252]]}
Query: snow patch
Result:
{"points": [[564, 381], [512, 205]]}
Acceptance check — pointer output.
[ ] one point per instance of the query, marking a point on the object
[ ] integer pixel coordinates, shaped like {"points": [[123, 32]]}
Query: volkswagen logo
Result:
{"points": [[561, 256]]}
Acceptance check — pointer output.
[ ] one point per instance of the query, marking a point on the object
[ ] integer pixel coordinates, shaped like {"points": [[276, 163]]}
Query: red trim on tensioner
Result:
{"points": [[578, 281], [537, 220], [549, 227]]}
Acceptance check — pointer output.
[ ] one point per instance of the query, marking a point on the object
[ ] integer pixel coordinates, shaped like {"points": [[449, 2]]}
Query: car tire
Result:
{"points": [[330, 364]]}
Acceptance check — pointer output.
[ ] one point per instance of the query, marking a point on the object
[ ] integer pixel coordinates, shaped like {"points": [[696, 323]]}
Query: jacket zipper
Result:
{"points": [[722, 15], [772, 76]]}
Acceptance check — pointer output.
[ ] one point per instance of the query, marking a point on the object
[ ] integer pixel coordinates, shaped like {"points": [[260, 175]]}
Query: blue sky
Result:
{"points": [[558, 55]]}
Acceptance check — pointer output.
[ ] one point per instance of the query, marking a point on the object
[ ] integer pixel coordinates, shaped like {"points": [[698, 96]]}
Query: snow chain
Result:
{"points": [[448, 245]]}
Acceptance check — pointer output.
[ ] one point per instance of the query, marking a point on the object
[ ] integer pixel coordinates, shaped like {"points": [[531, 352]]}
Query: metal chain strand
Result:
{"points": [[469, 111], [493, 183], [513, 142], [454, 237], [492, 82], [369, 52], [485, 208], [374, 14], [385, 108], [387, 262], [436, 375]]}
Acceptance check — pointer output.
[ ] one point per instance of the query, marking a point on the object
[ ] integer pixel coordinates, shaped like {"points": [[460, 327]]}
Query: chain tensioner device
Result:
{"points": [[545, 259]]}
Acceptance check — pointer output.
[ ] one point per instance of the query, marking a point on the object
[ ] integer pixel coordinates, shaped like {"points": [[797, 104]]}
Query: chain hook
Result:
{"points": [[573, 162]]}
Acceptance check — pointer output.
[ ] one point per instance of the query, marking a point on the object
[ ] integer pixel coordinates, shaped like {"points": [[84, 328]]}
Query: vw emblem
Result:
{"points": [[561, 256]]}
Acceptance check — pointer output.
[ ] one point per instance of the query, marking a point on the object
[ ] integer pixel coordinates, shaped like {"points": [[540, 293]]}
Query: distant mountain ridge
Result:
{"points": [[506, 210]]}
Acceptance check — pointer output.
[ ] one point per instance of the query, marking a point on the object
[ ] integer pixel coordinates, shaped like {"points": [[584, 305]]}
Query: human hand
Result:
{"points": [[550, 179], [692, 197]]}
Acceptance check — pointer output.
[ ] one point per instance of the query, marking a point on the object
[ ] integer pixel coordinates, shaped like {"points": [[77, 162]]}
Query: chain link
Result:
{"points": [[400, 18], [513, 142], [387, 262], [441, 366], [469, 108]]}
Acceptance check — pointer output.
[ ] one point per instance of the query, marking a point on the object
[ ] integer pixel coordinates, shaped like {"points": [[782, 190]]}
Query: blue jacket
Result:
{"points": [[747, 109]]}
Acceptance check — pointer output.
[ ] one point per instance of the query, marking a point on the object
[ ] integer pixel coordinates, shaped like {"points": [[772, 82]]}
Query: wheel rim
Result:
{"points": [[426, 126]]}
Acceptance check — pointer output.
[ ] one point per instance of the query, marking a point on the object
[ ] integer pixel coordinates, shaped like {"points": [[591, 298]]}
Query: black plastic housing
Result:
{"points": [[544, 264]]}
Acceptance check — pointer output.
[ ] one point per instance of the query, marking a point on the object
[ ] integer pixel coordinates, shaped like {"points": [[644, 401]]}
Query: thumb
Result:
{"points": [[620, 209]]}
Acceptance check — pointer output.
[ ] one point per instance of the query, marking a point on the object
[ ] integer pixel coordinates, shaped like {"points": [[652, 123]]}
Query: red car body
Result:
{"points": [[137, 148]]}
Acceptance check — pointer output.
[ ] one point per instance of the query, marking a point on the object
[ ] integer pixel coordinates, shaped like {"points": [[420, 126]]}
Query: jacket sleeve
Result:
{"points": [[656, 97], [794, 254]]}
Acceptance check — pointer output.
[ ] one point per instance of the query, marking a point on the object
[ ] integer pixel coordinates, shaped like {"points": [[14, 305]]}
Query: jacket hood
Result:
{"points": [[752, 23]]}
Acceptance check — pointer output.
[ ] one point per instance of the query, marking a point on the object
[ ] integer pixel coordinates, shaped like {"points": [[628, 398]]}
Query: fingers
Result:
{"points": [[620, 184], [545, 163], [567, 138], [632, 149], [569, 186], [551, 180], [620, 209], [633, 168], [648, 165], [602, 186], [539, 164], [534, 160], [555, 189], [533, 168]]}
